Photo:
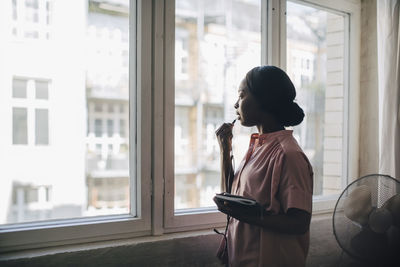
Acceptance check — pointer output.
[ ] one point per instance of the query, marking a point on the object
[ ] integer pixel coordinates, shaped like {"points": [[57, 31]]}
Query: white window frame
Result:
{"points": [[72, 231], [273, 19]]}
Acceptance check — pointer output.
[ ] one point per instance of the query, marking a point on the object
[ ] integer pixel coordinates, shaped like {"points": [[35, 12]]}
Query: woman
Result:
{"points": [[275, 172]]}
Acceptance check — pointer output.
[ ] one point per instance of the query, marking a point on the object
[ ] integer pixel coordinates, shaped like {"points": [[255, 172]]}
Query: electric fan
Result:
{"points": [[366, 220]]}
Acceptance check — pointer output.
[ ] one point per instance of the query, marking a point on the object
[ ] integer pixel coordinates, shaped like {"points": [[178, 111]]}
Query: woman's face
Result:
{"points": [[247, 107]]}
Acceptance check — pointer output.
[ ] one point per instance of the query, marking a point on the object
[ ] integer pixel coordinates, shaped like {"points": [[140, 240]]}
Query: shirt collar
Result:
{"points": [[262, 138]]}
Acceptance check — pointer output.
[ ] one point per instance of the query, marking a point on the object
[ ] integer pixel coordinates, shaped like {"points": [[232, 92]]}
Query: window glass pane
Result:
{"points": [[110, 108], [315, 63], [31, 19], [110, 128], [122, 128], [14, 10], [31, 195], [20, 126], [216, 43], [63, 159], [98, 127], [41, 127], [98, 107], [19, 88], [42, 89]]}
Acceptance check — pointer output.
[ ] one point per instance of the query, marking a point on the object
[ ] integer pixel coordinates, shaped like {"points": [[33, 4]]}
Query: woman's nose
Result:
{"points": [[236, 105]]}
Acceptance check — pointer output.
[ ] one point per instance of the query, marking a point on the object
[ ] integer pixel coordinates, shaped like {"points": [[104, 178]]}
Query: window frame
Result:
{"points": [[81, 230], [273, 38]]}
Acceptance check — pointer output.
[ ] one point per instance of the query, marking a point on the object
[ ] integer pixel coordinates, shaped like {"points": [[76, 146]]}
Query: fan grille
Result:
{"points": [[355, 238]]}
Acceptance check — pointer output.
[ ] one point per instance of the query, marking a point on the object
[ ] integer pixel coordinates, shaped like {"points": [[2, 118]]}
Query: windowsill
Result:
{"points": [[317, 216]]}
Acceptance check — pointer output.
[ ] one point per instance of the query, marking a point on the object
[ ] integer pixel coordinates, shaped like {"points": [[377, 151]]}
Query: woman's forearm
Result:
{"points": [[293, 222], [289, 223], [224, 136], [226, 170]]}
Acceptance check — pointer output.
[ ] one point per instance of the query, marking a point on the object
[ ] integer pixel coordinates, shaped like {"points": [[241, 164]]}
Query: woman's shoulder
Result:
{"points": [[289, 146], [281, 145]]}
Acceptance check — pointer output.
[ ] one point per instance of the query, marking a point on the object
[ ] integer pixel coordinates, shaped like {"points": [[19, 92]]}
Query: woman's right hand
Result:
{"points": [[224, 136]]}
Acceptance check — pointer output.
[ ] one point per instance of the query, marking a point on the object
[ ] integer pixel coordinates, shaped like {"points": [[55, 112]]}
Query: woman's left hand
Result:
{"points": [[238, 213]]}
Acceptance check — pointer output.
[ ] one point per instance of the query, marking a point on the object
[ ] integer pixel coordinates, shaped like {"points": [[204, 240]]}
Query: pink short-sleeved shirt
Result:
{"points": [[276, 173]]}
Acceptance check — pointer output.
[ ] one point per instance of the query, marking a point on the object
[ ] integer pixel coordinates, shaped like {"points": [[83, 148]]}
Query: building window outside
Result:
{"points": [[32, 19], [29, 200], [122, 128], [30, 111], [98, 127], [181, 54], [19, 88], [41, 127], [110, 128], [42, 89], [20, 126]]}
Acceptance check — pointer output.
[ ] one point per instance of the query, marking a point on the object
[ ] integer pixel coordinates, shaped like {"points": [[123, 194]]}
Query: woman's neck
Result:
{"points": [[269, 128]]}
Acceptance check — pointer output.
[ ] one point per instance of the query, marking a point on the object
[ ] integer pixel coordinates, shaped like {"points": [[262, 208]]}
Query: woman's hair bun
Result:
{"points": [[290, 115]]}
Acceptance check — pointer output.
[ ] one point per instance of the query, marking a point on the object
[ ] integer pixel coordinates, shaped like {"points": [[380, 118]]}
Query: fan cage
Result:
{"points": [[382, 188]]}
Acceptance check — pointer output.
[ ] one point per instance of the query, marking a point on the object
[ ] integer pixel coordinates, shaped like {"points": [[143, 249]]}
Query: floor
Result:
{"points": [[324, 252]]}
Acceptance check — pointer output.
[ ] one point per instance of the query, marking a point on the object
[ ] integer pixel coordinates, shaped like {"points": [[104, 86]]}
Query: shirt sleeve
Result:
{"points": [[296, 182]]}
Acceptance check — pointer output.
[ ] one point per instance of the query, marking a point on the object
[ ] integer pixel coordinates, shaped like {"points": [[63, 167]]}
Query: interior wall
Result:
{"points": [[369, 113]]}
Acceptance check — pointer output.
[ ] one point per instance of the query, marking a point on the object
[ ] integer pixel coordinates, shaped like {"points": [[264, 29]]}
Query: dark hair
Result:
{"points": [[275, 92]]}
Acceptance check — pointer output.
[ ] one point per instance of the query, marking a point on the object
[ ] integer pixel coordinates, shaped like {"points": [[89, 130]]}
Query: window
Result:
{"points": [[42, 89], [32, 19], [313, 49], [216, 42], [20, 126], [110, 128], [34, 200], [98, 126], [318, 38], [30, 112], [122, 128], [41, 127], [181, 53], [52, 113], [126, 123], [19, 88], [62, 112]]}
